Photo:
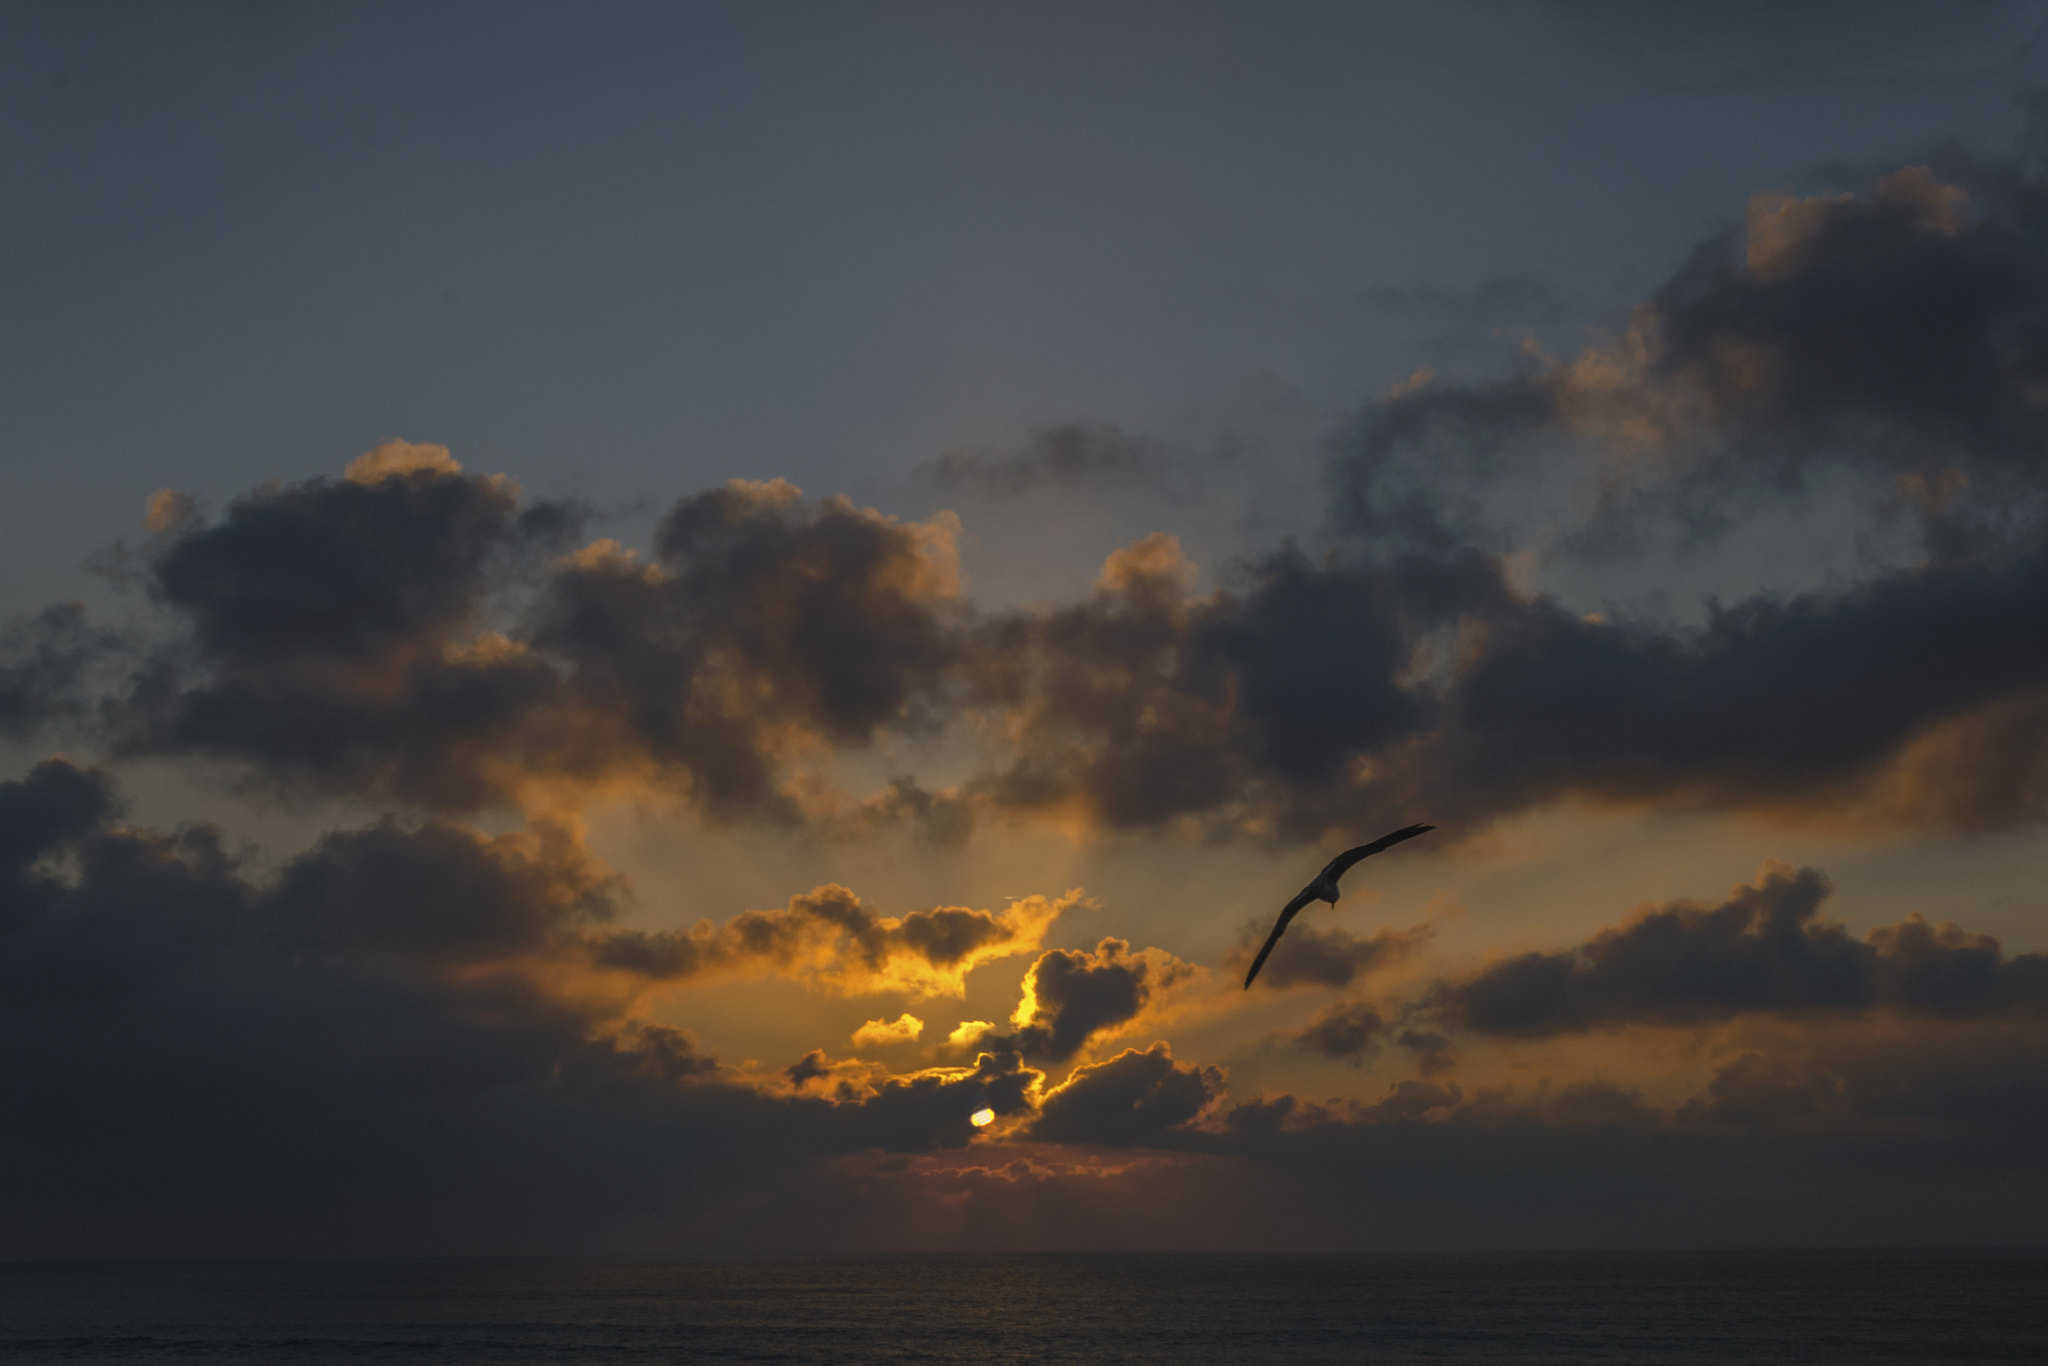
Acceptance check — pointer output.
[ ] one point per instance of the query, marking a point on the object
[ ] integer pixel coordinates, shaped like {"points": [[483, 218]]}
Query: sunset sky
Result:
{"points": [[613, 617]]}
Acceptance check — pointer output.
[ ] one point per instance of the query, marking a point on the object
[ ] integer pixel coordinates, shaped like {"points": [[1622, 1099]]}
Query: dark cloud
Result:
{"points": [[343, 634], [1763, 950], [1308, 956], [1313, 698], [348, 570], [1131, 1100], [1347, 1032], [1898, 336], [53, 807], [1900, 333], [342, 1058], [332, 637], [391, 1044], [1331, 698], [47, 662], [934, 1108], [1434, 1053], [1775, 697], [436, 894], [1408, 470], [1913, 319], [1754, 1089], [765, 627], [403, 633], [812, 1066], [1146, 704], [378, 635], [1072, 455], [1930, 1138], [1073, 995]]}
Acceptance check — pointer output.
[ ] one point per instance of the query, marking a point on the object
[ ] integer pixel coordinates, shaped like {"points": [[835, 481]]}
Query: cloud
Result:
{"points": [[417, 634], [1146, 705], [1434, 1054], [1765, 949], [1072, 997], [47, 666], [1754, 1089], [1307, 956], [1130, 1100], [398, 459], [343, 635], [377, 1026], [1071, 455], [1892, 333], [414, 1035], [1912, 696], [830, 938], [168, 510], [887, 1033], [332, 634], [933, 1108], [396, 1041], [392, 1044], [53, 808], [764, 630], [402, 634], [1346, 1031]]}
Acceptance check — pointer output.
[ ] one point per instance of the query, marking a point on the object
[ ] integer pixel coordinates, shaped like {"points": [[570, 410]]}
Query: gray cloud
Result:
{"points": [[401, 635], [1900, 334], [1076, 994], [1764, 950], [366, 1053], [1133, 1099], [384, 1047], [763, 621], [47, 666], [1347, 1031], [1071, 455], [322, 630], [1308, 956]]}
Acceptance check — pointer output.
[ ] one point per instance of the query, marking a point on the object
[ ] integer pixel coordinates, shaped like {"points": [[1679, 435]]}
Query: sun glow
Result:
{"points": [[983, 1116]]}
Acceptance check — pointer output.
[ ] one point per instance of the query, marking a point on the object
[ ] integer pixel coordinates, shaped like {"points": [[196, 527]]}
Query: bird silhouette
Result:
{"points": [[1324, 888]]}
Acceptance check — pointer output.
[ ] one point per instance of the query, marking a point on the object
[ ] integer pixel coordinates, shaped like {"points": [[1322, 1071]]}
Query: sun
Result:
{"points": [[981, 1117]]}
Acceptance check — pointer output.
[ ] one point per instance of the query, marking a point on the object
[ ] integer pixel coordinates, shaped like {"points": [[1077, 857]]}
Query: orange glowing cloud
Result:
{"points": [[888, 1033], [1072, 999], [834, 942]]}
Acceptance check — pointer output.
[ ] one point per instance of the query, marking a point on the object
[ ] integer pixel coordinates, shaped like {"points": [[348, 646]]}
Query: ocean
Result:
{"points": [[1689, 1308]]}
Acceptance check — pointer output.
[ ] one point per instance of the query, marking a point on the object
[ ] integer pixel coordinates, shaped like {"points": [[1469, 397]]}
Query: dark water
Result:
{"points": [[1538, 1308]]}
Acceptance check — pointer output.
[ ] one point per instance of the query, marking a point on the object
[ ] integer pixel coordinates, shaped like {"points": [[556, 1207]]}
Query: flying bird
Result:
{"points": [[1324, 888]]}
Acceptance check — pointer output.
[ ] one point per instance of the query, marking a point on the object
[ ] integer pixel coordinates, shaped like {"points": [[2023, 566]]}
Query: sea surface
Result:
{"points": [[1538, 1308]]}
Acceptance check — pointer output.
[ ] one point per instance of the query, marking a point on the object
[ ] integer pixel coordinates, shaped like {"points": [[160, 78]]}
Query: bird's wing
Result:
{"points": [[1341, 864], [1301, 898]]}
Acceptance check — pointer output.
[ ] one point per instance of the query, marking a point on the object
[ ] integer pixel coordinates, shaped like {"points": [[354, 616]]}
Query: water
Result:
{"points": [[1693, 1309]]}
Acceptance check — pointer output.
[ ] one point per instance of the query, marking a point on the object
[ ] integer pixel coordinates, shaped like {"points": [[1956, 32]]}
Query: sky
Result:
{"points": [[613, 620]]}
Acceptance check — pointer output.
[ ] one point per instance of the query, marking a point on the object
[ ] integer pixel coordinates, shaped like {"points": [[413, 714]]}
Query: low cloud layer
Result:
{"points": [[410, 1037]]}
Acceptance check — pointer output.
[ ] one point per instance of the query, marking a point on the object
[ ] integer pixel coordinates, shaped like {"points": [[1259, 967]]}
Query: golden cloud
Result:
{"points": [[831, 940]]}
